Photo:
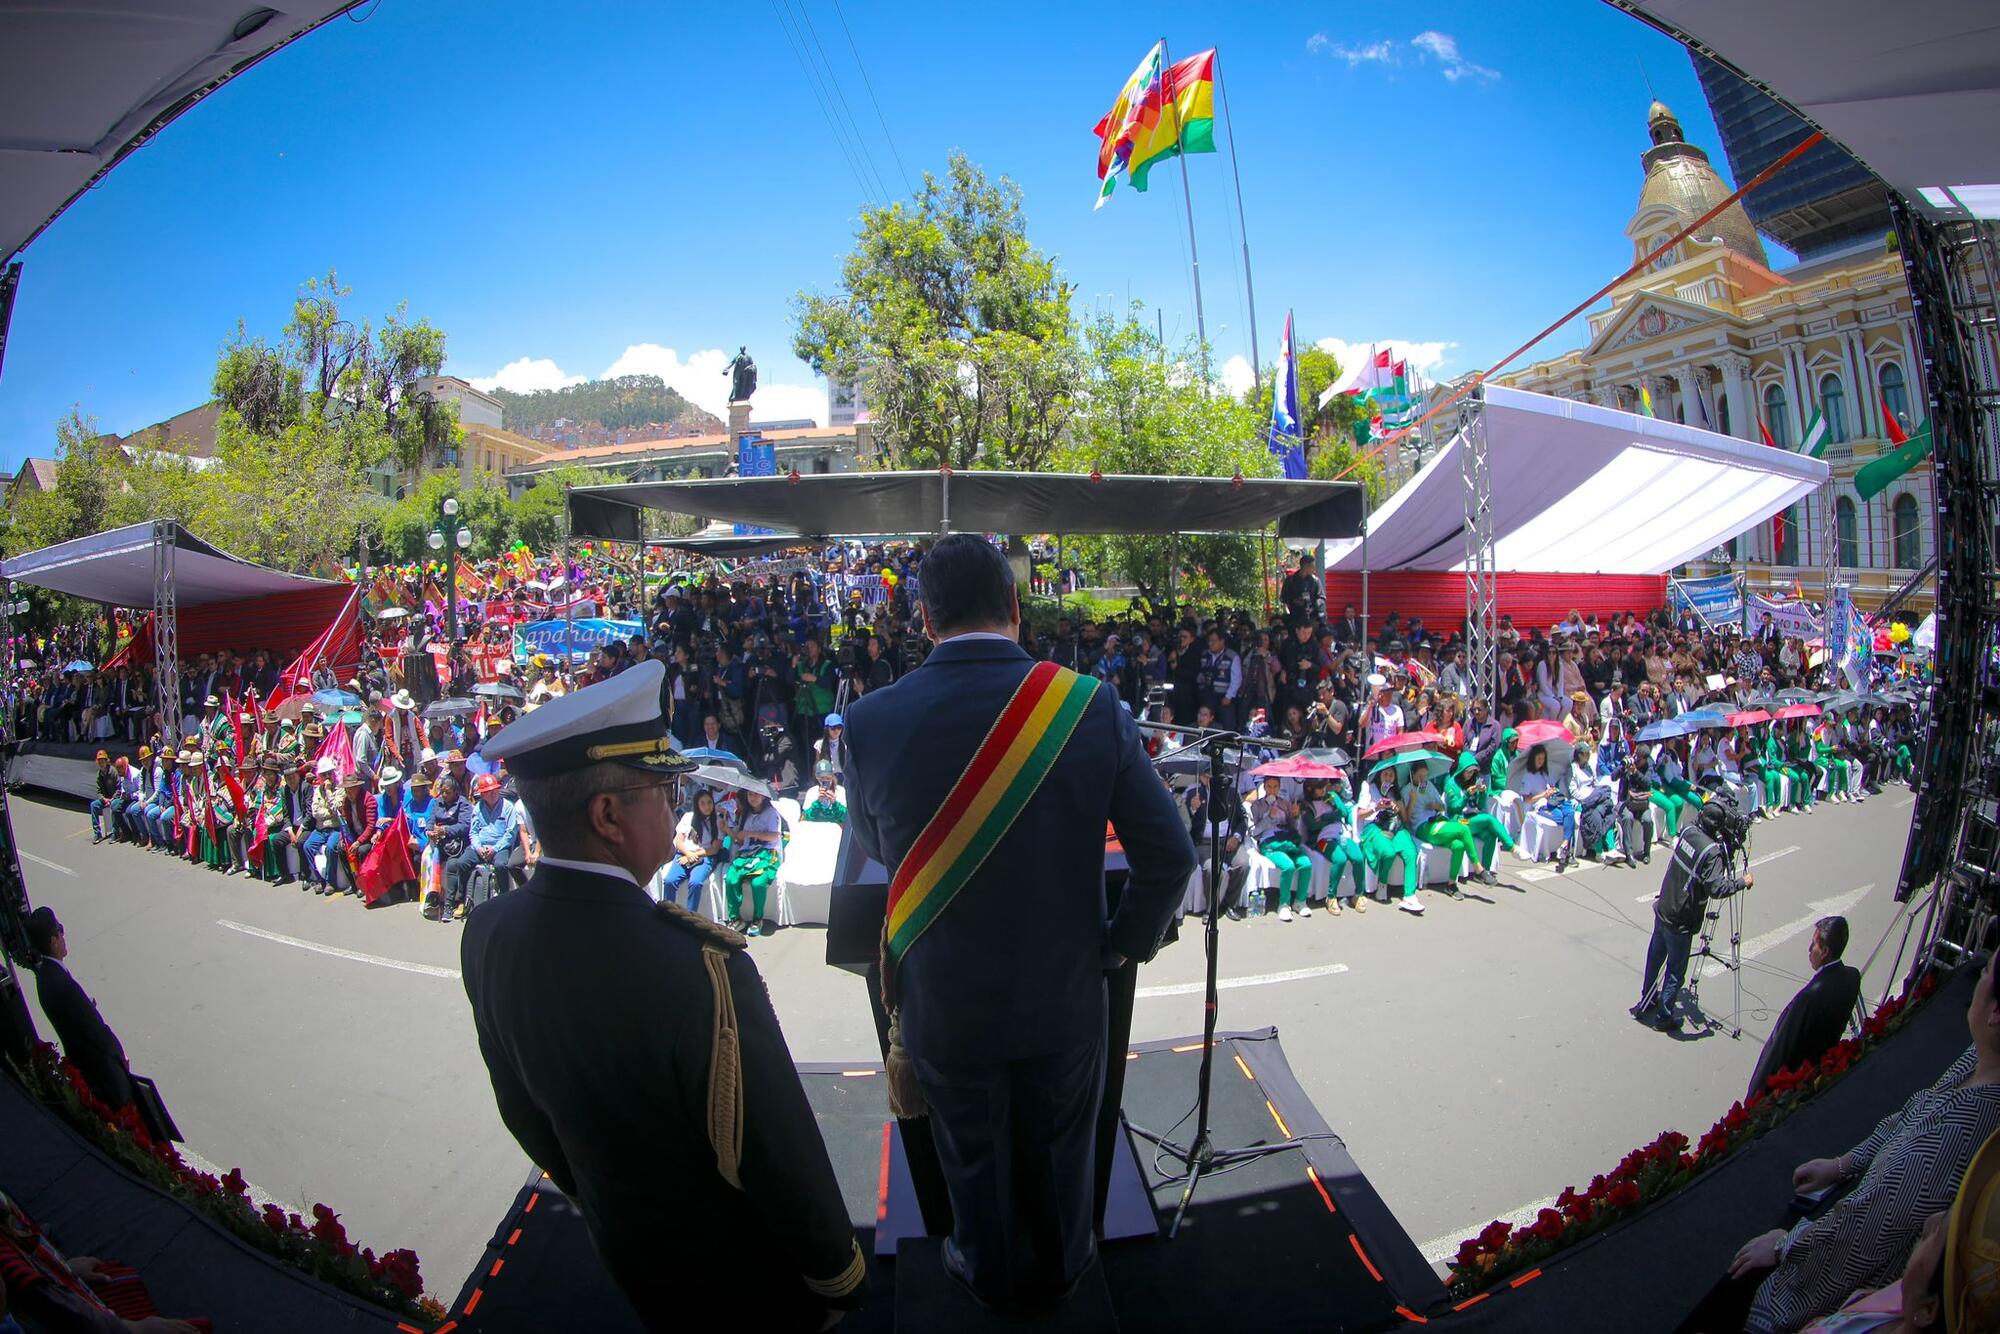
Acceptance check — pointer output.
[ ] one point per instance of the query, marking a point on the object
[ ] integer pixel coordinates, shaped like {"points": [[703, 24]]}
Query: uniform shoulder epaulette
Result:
{"points": [[710, 931]]}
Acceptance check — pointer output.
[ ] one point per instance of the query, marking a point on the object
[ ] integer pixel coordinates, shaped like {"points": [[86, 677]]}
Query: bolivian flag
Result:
{"points": [[1160, 112]]}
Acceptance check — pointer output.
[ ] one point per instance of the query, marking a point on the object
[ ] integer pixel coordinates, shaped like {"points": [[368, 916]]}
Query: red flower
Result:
{"points": [[326, 1227], [274, 1219], [1623, 1195], [400, 1268], [234, 1184], [1495, 1235], [1549, 1224]]}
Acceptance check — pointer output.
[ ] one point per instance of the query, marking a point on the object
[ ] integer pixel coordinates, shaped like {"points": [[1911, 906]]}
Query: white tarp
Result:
{"points": [[115, 567], [1911, 90], [1579, 489]]}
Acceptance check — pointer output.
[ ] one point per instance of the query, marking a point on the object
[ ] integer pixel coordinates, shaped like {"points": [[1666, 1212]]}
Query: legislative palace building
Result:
{"points": [[1720, 340]]}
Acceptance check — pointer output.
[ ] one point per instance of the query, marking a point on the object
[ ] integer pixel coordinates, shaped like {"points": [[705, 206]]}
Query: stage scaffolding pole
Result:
{"points": [[166, 634], [1477, 475]]}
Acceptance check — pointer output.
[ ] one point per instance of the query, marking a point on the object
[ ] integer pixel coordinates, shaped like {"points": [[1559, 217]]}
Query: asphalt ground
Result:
{"points": [[1476, 1059]]}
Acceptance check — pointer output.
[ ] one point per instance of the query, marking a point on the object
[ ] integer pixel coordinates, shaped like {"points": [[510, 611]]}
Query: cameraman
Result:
{"points": [[1703, 868]]}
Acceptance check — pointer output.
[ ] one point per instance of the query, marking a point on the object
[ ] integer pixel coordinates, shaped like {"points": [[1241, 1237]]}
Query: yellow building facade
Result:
{"points": [[1712, 336]]}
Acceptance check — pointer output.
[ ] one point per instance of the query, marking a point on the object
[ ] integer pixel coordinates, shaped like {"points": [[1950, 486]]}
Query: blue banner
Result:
{"points": [[754, 458], [584, 636], [1715, 599]]}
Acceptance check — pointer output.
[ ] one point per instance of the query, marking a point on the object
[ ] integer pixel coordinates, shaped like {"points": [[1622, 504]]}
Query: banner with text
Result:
{"points": [[583, 636], [1790, 619], [1715, 599]]}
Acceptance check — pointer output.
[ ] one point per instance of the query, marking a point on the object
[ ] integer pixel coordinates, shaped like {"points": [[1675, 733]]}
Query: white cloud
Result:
{"points": [[1383, 52], [1443, 48], [1427, 359], [699, 378], [1236, 376], [525, 376], [1438, 47]]}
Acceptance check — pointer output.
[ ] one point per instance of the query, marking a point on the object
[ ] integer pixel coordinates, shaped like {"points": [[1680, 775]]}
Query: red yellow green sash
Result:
{"points": [[1004, 773]]}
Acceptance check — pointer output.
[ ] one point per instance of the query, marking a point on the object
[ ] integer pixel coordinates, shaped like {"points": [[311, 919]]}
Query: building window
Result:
{"points": [[1895, 394], [1722, 412], [1777, 418], [1833, 402], [1788, 540], [1846, 532], [1906, 532]]}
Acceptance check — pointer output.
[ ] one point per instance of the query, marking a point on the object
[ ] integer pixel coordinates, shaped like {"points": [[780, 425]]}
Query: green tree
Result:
{"points": [[1148, 412], [619, 403], [958, 330], [483, 506], [1330, 432]]}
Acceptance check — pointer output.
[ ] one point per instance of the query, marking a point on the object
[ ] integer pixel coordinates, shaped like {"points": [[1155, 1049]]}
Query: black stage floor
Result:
{"points": [[1293, 1240]]}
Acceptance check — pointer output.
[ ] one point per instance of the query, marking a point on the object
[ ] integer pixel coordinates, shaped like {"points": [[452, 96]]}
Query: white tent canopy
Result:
{"points": [[1579, 489], [1913, 91]]}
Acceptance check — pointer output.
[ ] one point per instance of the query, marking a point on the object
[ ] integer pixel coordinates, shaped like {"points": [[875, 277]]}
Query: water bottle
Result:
{"points": [[1256, 903]]}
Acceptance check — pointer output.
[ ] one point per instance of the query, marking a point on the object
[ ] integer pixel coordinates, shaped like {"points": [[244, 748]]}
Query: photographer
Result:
{"points": [[1704, 867]]}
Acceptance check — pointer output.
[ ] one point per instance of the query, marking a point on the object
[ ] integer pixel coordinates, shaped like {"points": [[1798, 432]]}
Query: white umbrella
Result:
{"points": [[718, 775], [392, 613]]}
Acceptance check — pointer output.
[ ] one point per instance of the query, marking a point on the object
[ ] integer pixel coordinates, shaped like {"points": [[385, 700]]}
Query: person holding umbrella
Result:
{"points": [[1424, 813], [1384, 837], [1274, 822], [1325, 816], [756, 843]]}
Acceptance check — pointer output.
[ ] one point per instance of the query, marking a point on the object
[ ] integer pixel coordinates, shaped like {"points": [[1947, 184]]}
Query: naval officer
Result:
{"points": [[633, 1050], [984, 780]]}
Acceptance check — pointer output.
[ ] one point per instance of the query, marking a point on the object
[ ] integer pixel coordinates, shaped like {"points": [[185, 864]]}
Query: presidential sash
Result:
{"points": [[1004, 773]]}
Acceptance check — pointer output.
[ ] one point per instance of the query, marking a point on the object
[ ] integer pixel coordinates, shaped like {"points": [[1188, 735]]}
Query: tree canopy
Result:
{"points": [[615, 404]]}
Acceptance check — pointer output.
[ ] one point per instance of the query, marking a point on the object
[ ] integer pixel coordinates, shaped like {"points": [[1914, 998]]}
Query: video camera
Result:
{"points": [[1724, 823]]}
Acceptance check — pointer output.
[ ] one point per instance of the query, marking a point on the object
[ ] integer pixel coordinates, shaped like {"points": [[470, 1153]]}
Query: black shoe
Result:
{"points": [[954, 1268], [1664, 1023]]}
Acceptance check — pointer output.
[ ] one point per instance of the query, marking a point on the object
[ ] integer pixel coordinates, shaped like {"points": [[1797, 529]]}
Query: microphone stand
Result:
{"points": [[1201, 1157]]}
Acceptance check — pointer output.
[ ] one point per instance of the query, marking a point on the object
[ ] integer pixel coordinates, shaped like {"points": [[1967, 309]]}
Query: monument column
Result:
{"points": [[1689, 379]]}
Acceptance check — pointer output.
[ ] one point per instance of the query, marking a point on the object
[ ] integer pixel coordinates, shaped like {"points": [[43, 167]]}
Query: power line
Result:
{"points": [[812, 86], [840, 96], [869, 84]]}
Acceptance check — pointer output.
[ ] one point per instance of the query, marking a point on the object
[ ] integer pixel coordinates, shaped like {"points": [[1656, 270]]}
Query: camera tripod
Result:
{"points": [[1732, 962]]}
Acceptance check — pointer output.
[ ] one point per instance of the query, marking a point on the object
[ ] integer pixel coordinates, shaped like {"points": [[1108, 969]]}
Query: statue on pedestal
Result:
{"points": [[742, 373]]}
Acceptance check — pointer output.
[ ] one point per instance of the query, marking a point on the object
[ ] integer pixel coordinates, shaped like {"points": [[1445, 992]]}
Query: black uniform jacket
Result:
{"points": [[601, 1017], [87, 1041]]}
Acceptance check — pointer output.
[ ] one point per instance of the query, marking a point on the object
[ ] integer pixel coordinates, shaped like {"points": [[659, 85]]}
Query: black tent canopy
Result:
{"points": [[980, 502]]}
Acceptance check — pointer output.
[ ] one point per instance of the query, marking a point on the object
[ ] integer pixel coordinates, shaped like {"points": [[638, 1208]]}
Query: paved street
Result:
{"points": [[1477, 1059]]}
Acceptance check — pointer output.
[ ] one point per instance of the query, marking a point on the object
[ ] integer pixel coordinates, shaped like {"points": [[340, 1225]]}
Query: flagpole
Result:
{"points": [[1187, 198], [1249, 285]]}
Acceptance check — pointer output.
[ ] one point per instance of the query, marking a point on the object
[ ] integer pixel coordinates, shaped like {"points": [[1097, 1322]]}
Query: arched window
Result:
{"points": [[1846, 532], [1788, 538], [1896, 395], [1778, 418], [1833, 402], [1906, 532]]}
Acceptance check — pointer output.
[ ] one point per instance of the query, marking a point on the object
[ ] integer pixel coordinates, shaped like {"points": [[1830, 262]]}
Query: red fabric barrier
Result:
{"points": [[338, 643], [1438, 597], [284, 623]]}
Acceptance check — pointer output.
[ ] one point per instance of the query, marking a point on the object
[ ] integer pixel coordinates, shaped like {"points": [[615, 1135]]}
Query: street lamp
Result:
{"points": [[450, 537]]}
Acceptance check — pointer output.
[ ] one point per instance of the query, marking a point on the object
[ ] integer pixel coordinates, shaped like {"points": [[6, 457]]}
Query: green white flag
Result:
{"points": [[1813, 442], [1873, 478]]}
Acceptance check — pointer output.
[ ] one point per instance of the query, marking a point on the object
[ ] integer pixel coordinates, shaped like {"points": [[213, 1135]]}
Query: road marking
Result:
{"points": [[1910, 800], [1255, 980], [428, 970], [44, 861], [1441, 1250], [1763, 944], [1754, 862]]}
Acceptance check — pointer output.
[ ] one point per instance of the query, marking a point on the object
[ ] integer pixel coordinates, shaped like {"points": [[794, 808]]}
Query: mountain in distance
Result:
{"points": [[629, 407]]}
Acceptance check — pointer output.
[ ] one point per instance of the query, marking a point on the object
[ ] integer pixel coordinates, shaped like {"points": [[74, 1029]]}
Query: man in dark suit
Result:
{"points": [[87, 1041], [1819, 1014], [1002, 1000], [633, 1049]]}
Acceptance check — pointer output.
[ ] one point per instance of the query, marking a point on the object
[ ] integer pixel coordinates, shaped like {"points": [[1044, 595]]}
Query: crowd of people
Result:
{"points": [[758, 662]]}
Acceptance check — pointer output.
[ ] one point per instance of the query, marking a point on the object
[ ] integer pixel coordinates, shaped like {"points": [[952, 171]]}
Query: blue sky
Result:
{"points": [[599, 186]]}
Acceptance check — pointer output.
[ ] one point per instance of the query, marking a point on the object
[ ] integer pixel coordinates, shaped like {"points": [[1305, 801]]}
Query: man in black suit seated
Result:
{"points": [[1818, 1015], [1002, 1001], [87, 1041]]}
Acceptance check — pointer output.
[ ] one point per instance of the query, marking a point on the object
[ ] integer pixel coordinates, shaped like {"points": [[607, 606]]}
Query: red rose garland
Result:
{"points": [[1645, 1176], [320, 1248]]}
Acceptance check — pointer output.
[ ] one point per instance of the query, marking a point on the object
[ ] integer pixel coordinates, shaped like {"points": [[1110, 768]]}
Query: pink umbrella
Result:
{"points": [[1539, 733], [1791, 711], [1748, 718], [1295, 766], [1406, 741]]}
